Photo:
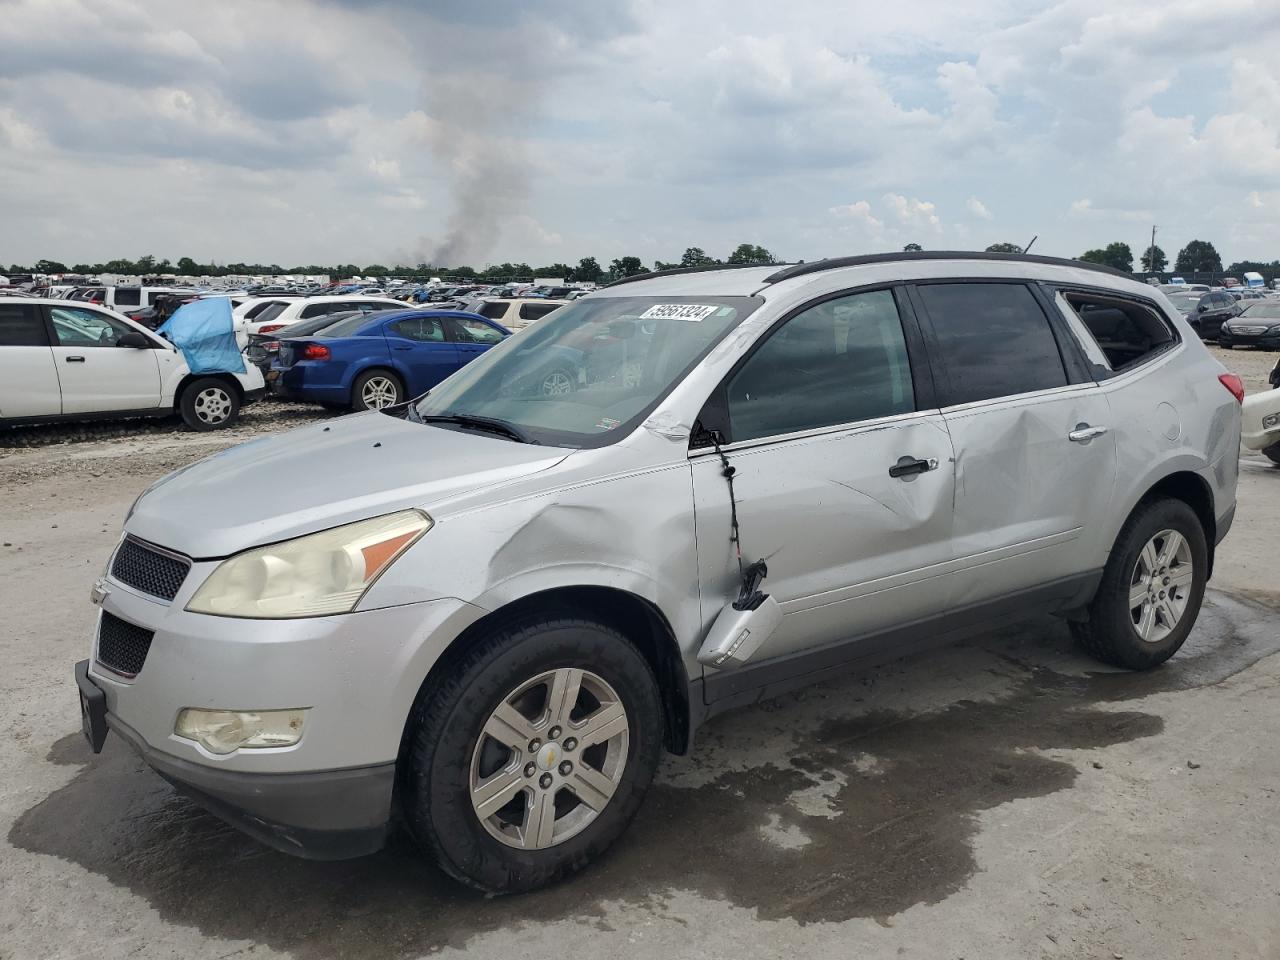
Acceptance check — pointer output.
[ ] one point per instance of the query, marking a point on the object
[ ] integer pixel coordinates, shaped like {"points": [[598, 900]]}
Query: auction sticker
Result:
{"points": [[679, 311]]}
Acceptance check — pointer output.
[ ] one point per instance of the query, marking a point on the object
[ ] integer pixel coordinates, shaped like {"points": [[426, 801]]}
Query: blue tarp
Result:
{"points": [[203, 331]]}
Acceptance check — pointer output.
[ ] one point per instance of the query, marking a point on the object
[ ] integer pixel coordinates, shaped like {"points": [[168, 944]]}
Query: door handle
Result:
{"points": [[75, 359], [1083, 433], [402, 348], [910, 466]]}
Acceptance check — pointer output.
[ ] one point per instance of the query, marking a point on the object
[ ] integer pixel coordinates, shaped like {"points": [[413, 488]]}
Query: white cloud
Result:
{"points": [[634, 128], [977, 208]]}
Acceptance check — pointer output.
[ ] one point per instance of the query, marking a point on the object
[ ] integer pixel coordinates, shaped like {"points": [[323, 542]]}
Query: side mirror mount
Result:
{"points": [[133, 339]]}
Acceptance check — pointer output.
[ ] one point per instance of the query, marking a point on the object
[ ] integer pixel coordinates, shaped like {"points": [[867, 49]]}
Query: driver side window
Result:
{"points": [[86, 328], [840, 361]]}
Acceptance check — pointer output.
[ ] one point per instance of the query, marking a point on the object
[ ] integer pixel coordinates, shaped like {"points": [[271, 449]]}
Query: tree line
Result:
{"points": [[587, 270], [1197, 257]]}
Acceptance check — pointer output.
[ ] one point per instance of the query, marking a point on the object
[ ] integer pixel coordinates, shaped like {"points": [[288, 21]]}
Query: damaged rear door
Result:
{"points": [[843, 475], [1035, 452]]}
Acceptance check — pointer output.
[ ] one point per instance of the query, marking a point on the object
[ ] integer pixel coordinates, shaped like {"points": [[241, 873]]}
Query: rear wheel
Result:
{"points": [[376, 389], [209, 404], [530, 756], [558, 383], [1151, 588]]}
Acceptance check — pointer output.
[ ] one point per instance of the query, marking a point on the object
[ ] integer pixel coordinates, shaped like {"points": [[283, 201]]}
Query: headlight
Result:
{"points": [[226, 731], [313, 576]]}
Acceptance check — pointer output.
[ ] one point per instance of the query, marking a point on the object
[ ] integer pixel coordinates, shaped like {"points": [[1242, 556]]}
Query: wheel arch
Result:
{"points": [[1193, 490], [630, 614], [190, 378]]}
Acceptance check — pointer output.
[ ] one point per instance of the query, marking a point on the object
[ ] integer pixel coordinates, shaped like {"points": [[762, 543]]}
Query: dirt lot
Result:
{"points": [[1006, 798]]}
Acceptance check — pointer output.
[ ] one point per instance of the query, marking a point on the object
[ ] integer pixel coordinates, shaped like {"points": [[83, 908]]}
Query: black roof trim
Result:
{"points": [[817, 266], [708, 268]]}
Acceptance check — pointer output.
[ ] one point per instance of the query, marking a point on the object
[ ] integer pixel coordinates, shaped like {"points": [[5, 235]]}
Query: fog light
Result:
{"points": [[1271, 421], [226, 731]]}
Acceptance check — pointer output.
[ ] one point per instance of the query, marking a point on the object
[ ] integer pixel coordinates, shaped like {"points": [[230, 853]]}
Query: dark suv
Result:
{"points": [[1211, 312]]}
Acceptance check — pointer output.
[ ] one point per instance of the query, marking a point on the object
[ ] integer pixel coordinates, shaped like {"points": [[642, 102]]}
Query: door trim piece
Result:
{"points": [[969, 561], [732, 688]]}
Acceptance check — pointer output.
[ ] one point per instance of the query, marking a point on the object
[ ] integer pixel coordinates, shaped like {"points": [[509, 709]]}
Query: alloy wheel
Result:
{"points": [[556, 384], [549, 758], [379, 392], [1160, 585]]}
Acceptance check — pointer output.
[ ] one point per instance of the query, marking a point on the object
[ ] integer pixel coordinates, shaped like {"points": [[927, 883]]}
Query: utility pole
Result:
{"points": [[1151, 251]]}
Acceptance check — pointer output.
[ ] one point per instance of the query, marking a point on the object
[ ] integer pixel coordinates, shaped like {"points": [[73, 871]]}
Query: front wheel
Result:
{"points": [[209, 404], [1151, 588], [530, 755], [1272, 453]]}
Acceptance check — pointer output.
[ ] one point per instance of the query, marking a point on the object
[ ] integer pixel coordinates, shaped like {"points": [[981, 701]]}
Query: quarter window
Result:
{"points": [[128, 296], [1123, 332], [841, 361], [22, 326], [993, 340], [494, 309]]}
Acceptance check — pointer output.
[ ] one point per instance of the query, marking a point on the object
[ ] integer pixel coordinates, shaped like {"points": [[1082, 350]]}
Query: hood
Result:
{"points": [[321, 476]]}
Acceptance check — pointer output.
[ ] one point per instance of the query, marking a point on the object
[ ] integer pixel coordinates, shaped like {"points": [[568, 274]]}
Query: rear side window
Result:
{"points": [[128, 297], [992, 340], [320, 309], [841, 361], [22, 326], [494, 310], [1116, 334], [536, 311], [423, 329]]}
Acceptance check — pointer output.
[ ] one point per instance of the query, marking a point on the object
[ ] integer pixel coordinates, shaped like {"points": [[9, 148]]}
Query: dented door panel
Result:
{"points": [[1029, 500], [849, 548]]}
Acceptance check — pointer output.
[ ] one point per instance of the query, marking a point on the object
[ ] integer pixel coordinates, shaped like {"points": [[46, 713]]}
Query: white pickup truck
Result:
{"points": [[64, 360]]}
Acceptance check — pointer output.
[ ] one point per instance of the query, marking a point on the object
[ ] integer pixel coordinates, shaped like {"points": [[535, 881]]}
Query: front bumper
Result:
{"points": [[1232, 338], [327, 815]]}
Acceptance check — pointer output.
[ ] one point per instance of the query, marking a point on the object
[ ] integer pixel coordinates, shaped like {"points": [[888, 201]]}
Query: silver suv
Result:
{"points": [[488, 612]]}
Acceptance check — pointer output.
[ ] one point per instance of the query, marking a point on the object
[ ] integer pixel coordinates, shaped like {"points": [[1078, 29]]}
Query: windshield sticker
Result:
{"points": [[608, 423], [679, 311]]}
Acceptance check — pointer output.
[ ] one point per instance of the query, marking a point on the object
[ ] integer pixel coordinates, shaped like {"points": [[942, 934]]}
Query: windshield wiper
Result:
{"points": [[491, 424]]}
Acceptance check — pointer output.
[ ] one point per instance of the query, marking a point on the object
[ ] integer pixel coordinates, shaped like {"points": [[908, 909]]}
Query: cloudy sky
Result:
{"points": [[325, 131]]}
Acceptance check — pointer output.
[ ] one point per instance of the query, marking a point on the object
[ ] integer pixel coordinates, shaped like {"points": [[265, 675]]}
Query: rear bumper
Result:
{"points": [[324, 815]]}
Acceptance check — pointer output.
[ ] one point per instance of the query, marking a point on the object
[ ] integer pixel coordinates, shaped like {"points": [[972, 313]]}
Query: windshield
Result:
{"points": [[591, 371], [1263, 310]]}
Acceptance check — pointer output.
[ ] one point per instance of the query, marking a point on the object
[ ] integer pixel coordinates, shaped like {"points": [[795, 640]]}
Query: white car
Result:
{"points": [[1260, 423], [61, 360], [287, 310], [516, 313]]}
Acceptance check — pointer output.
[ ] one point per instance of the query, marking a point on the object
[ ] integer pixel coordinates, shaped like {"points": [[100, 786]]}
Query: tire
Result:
{"points": [[1272, 453], [1112, 633], [448, 751], [376, 389], [558, 383], [209, 404]]}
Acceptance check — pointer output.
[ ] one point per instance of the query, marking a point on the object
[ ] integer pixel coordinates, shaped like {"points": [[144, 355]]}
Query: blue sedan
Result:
{"points": [[378, 360]]}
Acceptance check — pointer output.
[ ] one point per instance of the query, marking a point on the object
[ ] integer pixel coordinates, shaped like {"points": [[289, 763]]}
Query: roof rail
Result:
{"points": [[677, 270], [817, 266]]}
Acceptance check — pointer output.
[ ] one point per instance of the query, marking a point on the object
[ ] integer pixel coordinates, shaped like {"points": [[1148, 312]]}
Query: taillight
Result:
{"points": [[315, 351], [271, 328], [1234, 384]]}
